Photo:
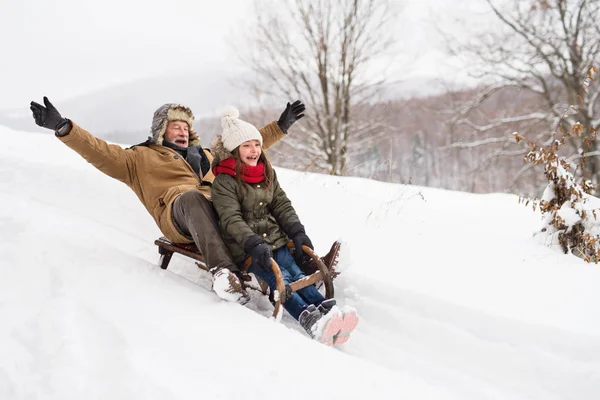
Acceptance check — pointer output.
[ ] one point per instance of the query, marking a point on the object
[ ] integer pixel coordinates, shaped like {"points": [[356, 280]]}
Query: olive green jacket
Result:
{"points": [[246, 209]]}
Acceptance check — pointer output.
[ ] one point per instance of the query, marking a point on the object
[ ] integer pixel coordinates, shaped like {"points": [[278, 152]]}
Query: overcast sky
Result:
{"points": [[70, 47]]}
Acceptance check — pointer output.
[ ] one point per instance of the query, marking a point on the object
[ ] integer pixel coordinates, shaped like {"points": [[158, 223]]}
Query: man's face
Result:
{"points": [[178, 132]]}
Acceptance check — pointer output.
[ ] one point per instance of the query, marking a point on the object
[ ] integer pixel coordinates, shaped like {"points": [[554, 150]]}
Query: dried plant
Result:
{"points": [[567, 204]]}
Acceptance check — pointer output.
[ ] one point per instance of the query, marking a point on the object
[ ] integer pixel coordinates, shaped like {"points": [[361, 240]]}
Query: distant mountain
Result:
{"points": [[123, 113]]}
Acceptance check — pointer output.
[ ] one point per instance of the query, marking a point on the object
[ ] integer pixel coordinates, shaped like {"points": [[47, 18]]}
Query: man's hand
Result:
{"points": [[291, 114], [47, 117]]}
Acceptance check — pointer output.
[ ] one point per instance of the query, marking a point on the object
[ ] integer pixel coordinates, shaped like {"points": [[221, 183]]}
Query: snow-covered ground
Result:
{"points": [[457, 298]]}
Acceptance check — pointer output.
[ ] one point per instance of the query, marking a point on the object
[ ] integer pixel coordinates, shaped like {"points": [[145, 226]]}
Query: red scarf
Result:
{"points": [[250, 174]]}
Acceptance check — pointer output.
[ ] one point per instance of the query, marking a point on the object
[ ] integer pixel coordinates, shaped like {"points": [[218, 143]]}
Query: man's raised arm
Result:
{"points": [[111, 159]]}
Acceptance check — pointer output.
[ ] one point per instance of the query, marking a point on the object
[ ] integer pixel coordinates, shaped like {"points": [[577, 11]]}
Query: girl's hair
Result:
{"points": [[269, 174]]}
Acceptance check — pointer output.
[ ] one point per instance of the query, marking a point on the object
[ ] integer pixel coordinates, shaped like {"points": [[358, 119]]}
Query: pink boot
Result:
{"points": [[322, 328], [329, 326], [350, 320]]}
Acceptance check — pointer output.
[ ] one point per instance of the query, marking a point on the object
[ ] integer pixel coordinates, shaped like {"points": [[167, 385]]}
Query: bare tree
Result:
{"points": [[544, 49], [324, 52]]}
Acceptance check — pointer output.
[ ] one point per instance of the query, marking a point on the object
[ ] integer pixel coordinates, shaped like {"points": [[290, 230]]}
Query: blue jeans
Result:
{"points": [[291, 273]]}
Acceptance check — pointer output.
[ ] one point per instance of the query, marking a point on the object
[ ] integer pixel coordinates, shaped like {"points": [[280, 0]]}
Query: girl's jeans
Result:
{"points": [[291, 273]]}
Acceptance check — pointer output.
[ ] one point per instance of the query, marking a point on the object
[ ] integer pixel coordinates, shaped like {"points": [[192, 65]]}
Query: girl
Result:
{"points": [[257, 219]]}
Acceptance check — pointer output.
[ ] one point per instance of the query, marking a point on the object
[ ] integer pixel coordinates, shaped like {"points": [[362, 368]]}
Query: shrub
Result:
{"points": [[569, 210]]}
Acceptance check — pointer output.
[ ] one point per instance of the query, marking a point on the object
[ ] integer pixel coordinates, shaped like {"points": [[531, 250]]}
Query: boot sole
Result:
{"points": [[332, 328], [350, 321]]}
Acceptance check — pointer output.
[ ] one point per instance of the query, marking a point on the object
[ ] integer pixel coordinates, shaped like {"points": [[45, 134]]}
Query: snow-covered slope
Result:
{"points": [[457, 299]]}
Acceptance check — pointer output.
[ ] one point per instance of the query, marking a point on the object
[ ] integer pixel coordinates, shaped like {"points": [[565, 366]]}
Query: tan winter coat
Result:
{"points": [[157, 174]]}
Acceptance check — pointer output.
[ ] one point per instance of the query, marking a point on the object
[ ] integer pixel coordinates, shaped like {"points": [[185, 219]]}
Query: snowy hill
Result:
{"points": [[457, 299]]}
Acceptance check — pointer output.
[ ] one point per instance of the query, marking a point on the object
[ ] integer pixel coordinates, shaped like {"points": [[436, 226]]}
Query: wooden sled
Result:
{"points": [[166, 249]]}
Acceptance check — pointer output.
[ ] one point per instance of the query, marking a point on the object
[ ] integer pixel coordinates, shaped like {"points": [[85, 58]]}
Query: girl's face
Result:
{"points": [[250, 152]]}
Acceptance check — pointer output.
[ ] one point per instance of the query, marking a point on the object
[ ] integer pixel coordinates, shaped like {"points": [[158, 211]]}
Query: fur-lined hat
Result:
{"points": [[220, 153], [173, 112]]}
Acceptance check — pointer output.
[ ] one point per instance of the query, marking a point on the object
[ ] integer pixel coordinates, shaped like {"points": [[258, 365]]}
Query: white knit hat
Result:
{"points": [[236, 131]]}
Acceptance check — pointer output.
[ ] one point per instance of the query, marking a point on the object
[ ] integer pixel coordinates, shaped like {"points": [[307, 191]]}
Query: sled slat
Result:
{"points": [[306, 281], [177, 249]]}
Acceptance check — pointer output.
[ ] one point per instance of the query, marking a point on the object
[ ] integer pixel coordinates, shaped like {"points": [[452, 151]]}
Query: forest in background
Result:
{"points": [[536, 64], [422, 146]]}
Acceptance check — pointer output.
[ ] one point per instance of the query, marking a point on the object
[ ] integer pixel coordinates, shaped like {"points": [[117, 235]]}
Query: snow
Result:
{"points": [[569, 214], [221, 284], [549, 194], [458, 298]]}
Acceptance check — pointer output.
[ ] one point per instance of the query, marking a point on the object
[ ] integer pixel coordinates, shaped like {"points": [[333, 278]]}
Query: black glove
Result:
{"points": [[47, 117], [291, 114], [299, 254], [299, 237], [260, 252]]}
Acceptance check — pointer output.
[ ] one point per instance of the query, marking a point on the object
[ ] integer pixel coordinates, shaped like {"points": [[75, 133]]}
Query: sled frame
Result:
{"points": [[166, 249]]}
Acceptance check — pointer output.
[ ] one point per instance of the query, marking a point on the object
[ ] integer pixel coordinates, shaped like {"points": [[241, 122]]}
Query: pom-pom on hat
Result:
{"points": [[236, 131]]}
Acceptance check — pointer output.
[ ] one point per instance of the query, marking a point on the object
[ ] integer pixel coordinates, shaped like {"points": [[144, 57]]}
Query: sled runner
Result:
{"points": [[166, 249]]}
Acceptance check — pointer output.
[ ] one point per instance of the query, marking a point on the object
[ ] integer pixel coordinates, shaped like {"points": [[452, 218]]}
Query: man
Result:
{"points": [[171, 174]]}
